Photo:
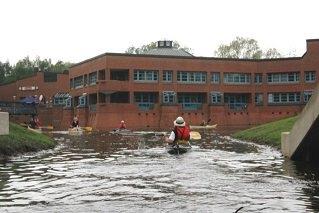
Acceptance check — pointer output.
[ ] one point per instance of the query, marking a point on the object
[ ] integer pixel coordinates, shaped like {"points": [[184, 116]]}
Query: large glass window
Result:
{"points": [[167, 76], [78, 82], [191, 77], [258, 78], [216, 97], [282, 98], [307, 95], [169, 97], [92, 78], [146, 75], [258, 98], [291, 77], [191, 101], [237, 78], [310, 76], [215, 77], [145, 100]]}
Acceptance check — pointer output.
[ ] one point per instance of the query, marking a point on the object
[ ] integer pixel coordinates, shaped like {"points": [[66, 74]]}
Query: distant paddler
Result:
{"points": [[122, 125], [75, 122]]}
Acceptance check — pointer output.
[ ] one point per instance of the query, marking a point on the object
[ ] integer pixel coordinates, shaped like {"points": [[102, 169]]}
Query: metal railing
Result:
{"points": [[192, 106], [16, 108], [145, 106], [238, 106]]}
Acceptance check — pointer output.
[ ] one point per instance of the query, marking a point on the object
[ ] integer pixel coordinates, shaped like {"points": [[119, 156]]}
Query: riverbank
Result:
{"points": [[21, 140], [269, 133]]}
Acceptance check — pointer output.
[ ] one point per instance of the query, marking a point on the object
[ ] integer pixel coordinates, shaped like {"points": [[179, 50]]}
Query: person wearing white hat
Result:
{"points": [[181, 131]]}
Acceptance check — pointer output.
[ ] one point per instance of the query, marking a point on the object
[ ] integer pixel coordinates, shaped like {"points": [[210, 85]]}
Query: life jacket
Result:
{"points": [[182, 133], [122, 126]]}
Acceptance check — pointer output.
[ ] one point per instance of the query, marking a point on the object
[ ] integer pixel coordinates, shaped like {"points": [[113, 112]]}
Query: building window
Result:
{"points": [[282, 98], [146, 75], [258, 78], [307, 95], [310, 76], [258, 98], [215, 78], [169, 97], [236, 78], [216, 97], [92, 78], [82, 101], [191, 101], [292, 77], [68, 102], [167, 76], [191, 77], [145, 100], [78, 82]]}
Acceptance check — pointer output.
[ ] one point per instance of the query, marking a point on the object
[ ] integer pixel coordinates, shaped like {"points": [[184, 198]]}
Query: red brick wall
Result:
{"points": [[47, 89]]}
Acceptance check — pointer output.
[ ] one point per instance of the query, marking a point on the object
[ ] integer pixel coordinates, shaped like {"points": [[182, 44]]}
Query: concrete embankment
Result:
{"points": [[4, 123]]}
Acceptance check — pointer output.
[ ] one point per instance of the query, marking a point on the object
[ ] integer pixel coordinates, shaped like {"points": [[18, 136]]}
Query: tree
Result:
{"points": [[26, 67], [245, 48], [5, 70], [153, 45]]}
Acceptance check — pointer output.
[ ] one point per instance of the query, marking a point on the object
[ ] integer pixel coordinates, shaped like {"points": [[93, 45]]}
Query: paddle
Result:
{"points": [[195, 135]]}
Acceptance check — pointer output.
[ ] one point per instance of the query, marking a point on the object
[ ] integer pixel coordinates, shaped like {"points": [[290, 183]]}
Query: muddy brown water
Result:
{"points": [[105, 172]]}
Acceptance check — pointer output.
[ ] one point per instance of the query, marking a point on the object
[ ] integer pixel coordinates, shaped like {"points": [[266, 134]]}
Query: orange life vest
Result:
{"points": [[182, 133]]}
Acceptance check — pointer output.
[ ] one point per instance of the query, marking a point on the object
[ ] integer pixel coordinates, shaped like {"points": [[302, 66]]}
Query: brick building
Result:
{"points": [[46, 84], [150, 90]]}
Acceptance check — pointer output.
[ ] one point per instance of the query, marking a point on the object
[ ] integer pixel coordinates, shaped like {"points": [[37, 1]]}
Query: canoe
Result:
{"points": [[87, 128], [35, 130], [204, 127], [75, 131], [46, 127], [177, 149]]}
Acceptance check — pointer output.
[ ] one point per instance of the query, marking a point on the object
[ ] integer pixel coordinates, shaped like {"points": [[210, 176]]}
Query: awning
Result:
{"points": [[62, 95]]}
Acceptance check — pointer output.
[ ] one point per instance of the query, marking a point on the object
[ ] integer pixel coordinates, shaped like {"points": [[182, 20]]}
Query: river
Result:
{"points": [[105, 172]]}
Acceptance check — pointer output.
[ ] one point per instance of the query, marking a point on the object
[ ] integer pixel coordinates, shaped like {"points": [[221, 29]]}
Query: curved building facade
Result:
{"points": [[150, 90]]}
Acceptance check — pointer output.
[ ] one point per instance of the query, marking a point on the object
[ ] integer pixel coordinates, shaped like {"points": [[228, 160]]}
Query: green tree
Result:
{"points": [[245, 48], [153, 45], [5, 71]]}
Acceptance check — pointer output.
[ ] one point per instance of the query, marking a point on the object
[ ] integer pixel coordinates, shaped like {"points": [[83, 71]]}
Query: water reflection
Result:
{"points": [[105, 172]]}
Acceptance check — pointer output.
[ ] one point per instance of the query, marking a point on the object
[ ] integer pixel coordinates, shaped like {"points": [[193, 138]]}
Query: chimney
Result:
{"points": [[313, 46]]}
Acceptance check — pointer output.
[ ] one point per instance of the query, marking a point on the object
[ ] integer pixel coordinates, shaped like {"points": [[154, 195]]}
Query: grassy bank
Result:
{"points": [[22, 140], [269, 133]]}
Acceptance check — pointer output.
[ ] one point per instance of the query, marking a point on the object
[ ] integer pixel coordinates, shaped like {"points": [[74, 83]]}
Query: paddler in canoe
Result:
{"points": [[75, 123], [178, 140]]}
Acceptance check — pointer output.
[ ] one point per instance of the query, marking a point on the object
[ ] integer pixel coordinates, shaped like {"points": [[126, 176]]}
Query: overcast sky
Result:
{"points": [[76, 30]]}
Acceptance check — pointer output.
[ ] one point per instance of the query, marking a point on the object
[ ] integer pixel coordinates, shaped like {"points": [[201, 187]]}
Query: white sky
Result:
{"points": [[74, 30]]}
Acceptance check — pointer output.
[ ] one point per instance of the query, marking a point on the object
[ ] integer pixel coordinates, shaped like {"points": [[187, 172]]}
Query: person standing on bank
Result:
{"points": [[180, 133]]}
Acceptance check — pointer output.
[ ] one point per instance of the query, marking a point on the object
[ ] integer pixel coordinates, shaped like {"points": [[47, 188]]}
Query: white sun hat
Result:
{"points": [[179, 121]]}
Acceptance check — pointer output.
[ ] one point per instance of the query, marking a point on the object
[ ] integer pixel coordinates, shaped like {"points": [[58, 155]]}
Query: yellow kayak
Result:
{"points": [[204, 127], [75, 131], [35, 130]]}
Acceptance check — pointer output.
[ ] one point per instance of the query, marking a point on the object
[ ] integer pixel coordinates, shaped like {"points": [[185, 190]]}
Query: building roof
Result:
{"points": [[168, 52]]}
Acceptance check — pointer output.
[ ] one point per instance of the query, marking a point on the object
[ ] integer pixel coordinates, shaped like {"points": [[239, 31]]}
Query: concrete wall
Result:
{"points": [[301, 142], [4, 123]]}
